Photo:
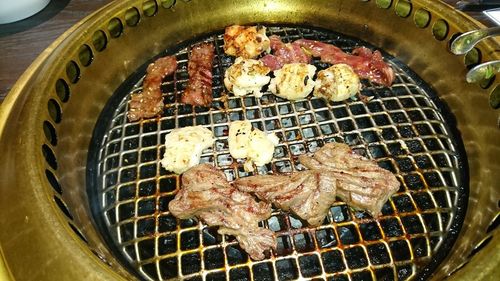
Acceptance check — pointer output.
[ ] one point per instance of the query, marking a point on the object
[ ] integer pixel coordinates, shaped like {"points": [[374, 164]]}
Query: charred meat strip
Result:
{"points": [[367, 64], [308, 194], [284, 53], [199, 88], [149, 102], [361, 183], [206, 194]]}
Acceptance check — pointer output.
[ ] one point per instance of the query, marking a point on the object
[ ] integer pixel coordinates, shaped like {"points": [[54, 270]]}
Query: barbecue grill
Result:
{"points": [[85, 196]]}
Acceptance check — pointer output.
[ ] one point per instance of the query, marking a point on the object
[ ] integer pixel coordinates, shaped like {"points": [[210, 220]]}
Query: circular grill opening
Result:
{"points": [[404, 128]]}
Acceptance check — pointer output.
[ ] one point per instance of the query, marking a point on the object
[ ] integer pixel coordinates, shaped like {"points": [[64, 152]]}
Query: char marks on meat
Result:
{"points": [[308, 194], [247, 42], [284, 53], [199, 89], [206, 194], [149, 102], [366, 63], [333, 170], [361, 183]]}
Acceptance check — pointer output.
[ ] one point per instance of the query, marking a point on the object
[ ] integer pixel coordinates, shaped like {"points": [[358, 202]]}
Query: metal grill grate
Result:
{"points": [[401, 128]]}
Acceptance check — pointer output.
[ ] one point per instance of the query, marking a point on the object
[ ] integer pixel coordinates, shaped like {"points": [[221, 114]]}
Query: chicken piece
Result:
{"points": [[246, 41], [293, 81], [246, 76], [337, 83], [284, 53], [361, 183], [199, 89], [308, 194], [183, 148], [149, 102], [251, 143], [206, 194], [366, 63]]}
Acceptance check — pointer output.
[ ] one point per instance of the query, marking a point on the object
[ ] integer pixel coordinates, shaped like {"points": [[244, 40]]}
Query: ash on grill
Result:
{"points": [[401, 128]]}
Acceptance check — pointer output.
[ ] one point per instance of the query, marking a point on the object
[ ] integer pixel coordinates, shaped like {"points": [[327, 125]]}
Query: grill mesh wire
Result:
{"points": [[401, 128]]}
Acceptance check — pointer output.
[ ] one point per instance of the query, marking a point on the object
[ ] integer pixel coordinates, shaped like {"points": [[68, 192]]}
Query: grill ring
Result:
{"points": [[134, 211], [50, 232]]}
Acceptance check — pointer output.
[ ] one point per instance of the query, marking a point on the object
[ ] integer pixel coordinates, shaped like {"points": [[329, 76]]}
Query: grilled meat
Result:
{"points": [[293, 81], [206, 194], [337, 83], [361, 183], [334, 170], [183, 147], [246, 76], [199, 89], [251, 143], [149, 102], [247, 42], [284, 53], [367, 64], [308, 194]]}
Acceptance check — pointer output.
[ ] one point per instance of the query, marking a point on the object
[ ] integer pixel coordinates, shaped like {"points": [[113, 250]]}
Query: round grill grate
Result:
{"points": [[403, 128]]}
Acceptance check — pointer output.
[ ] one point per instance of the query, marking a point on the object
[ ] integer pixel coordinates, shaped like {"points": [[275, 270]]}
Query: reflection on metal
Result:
{"points": [[401, 128], [29, 185], [484, 71], [465, 42]]}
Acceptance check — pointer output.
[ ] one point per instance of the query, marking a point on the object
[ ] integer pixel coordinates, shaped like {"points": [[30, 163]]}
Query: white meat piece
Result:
{"points": [[261, 147], [183, 148], [246, 41], [337, 83], [239, 137], [246, 76], [293, 81], [251, 143]]}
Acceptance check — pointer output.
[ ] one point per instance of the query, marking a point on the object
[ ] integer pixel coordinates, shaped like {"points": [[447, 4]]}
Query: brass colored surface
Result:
{"points": [[38, 243], [129, 177]]}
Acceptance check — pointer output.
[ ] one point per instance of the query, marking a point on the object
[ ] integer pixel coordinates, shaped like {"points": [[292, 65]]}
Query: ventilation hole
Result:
{"points": [[403, 8], [99, 40], [50, 133], [487, 82], [115, 27], [54, 110], [495, 98], [49, 156], [494, 224], [77, 232], [73, 72], [85, 55], [132, 17], [384, 4], [472, 58], [422, 18], [149, 7], [63, 207], [167, 3], [62, 90], [53, 181], [440, 30], [480, 246]]}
